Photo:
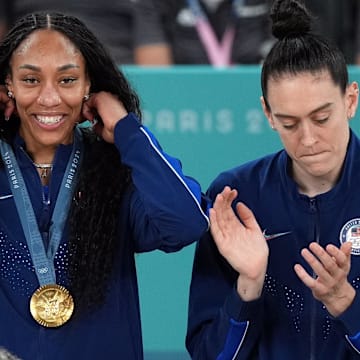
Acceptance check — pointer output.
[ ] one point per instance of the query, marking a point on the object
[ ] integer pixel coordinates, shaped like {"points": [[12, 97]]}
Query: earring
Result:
{"points": [[10, 94], [350, 115], [86, 97]]}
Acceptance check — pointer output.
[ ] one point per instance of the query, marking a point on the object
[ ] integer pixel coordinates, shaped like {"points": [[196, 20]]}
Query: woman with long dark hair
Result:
{"points": [[76, 203]]}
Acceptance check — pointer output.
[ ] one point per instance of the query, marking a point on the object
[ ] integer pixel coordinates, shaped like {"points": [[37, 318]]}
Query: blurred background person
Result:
{"points": [[217, 32], [113, 21], [339, 21]]}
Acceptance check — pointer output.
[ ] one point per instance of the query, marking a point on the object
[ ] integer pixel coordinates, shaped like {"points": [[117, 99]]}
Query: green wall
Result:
{"points": [[212, 120]]}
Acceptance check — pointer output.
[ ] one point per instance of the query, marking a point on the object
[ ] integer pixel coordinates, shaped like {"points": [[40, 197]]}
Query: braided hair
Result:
{"points": [[94, 212]]}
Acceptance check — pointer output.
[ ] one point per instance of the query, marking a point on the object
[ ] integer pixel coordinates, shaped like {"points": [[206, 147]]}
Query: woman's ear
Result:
{"points": [[267, 112], [352, 99]]}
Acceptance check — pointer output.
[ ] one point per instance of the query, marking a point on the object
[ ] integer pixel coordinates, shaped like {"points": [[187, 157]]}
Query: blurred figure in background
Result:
{"points": [[217, 32], [114, 22], [339, 21]]}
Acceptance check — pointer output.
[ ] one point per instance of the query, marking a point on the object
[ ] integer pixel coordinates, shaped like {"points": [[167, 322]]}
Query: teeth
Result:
{"points": [[49, 119]]}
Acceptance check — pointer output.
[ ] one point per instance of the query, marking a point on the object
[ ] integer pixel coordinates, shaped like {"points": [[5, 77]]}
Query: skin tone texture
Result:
{"points": [[311, 115]]}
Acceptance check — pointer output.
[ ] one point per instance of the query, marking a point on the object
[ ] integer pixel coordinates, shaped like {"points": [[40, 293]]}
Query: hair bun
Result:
{"points": [[290, 18]]}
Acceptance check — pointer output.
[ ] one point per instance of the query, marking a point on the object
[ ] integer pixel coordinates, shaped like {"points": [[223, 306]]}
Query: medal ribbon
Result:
{"points": [[43, 261]]}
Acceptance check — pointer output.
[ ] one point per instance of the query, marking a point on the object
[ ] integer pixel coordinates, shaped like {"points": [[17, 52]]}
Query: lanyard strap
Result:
{"points": [[43, 261], [219, 53]]}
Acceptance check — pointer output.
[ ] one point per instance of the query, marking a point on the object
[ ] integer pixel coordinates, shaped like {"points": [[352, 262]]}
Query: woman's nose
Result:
{"points": [[49, 97], [308, 137]]}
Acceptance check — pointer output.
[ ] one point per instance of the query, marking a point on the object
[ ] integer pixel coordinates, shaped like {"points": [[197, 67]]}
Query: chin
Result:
{"points": [[319, 171]]}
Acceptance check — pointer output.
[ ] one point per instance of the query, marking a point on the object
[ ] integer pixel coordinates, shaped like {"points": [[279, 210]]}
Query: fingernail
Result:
{"points": [[7, 118]]}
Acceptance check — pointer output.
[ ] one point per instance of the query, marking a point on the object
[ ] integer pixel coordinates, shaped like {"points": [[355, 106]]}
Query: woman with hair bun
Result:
{"points": [[278, 275]]}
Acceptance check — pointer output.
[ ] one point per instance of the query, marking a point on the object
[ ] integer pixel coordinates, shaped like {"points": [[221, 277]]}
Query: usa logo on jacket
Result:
{"points": [[351, 232]]}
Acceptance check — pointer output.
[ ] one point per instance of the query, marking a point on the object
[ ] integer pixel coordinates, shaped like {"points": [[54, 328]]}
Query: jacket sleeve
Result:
{"points": [[168, 209], [348, 323], [220, 325]]}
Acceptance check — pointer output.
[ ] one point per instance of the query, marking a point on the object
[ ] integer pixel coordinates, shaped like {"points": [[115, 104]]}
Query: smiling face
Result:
{"points": [[311, 116], [48, 79]]}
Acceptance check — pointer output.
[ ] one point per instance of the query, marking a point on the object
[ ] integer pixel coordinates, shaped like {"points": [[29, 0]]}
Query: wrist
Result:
{"points": [[250, 289], [338, 304]]}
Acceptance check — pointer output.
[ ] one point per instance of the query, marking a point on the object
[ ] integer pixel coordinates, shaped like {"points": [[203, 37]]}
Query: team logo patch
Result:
{"points": [[351, 232]]}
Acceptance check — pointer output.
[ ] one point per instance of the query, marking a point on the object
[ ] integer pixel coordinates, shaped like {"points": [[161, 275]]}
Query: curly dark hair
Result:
{"points": [[94, 212]]}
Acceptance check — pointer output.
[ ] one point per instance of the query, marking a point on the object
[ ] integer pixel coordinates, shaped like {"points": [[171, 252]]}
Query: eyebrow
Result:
{"points": [[320, 108], [38, 69]]}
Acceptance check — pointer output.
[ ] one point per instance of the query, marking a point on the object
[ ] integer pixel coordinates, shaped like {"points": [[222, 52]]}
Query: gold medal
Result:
{"points": [[51, 305]]}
